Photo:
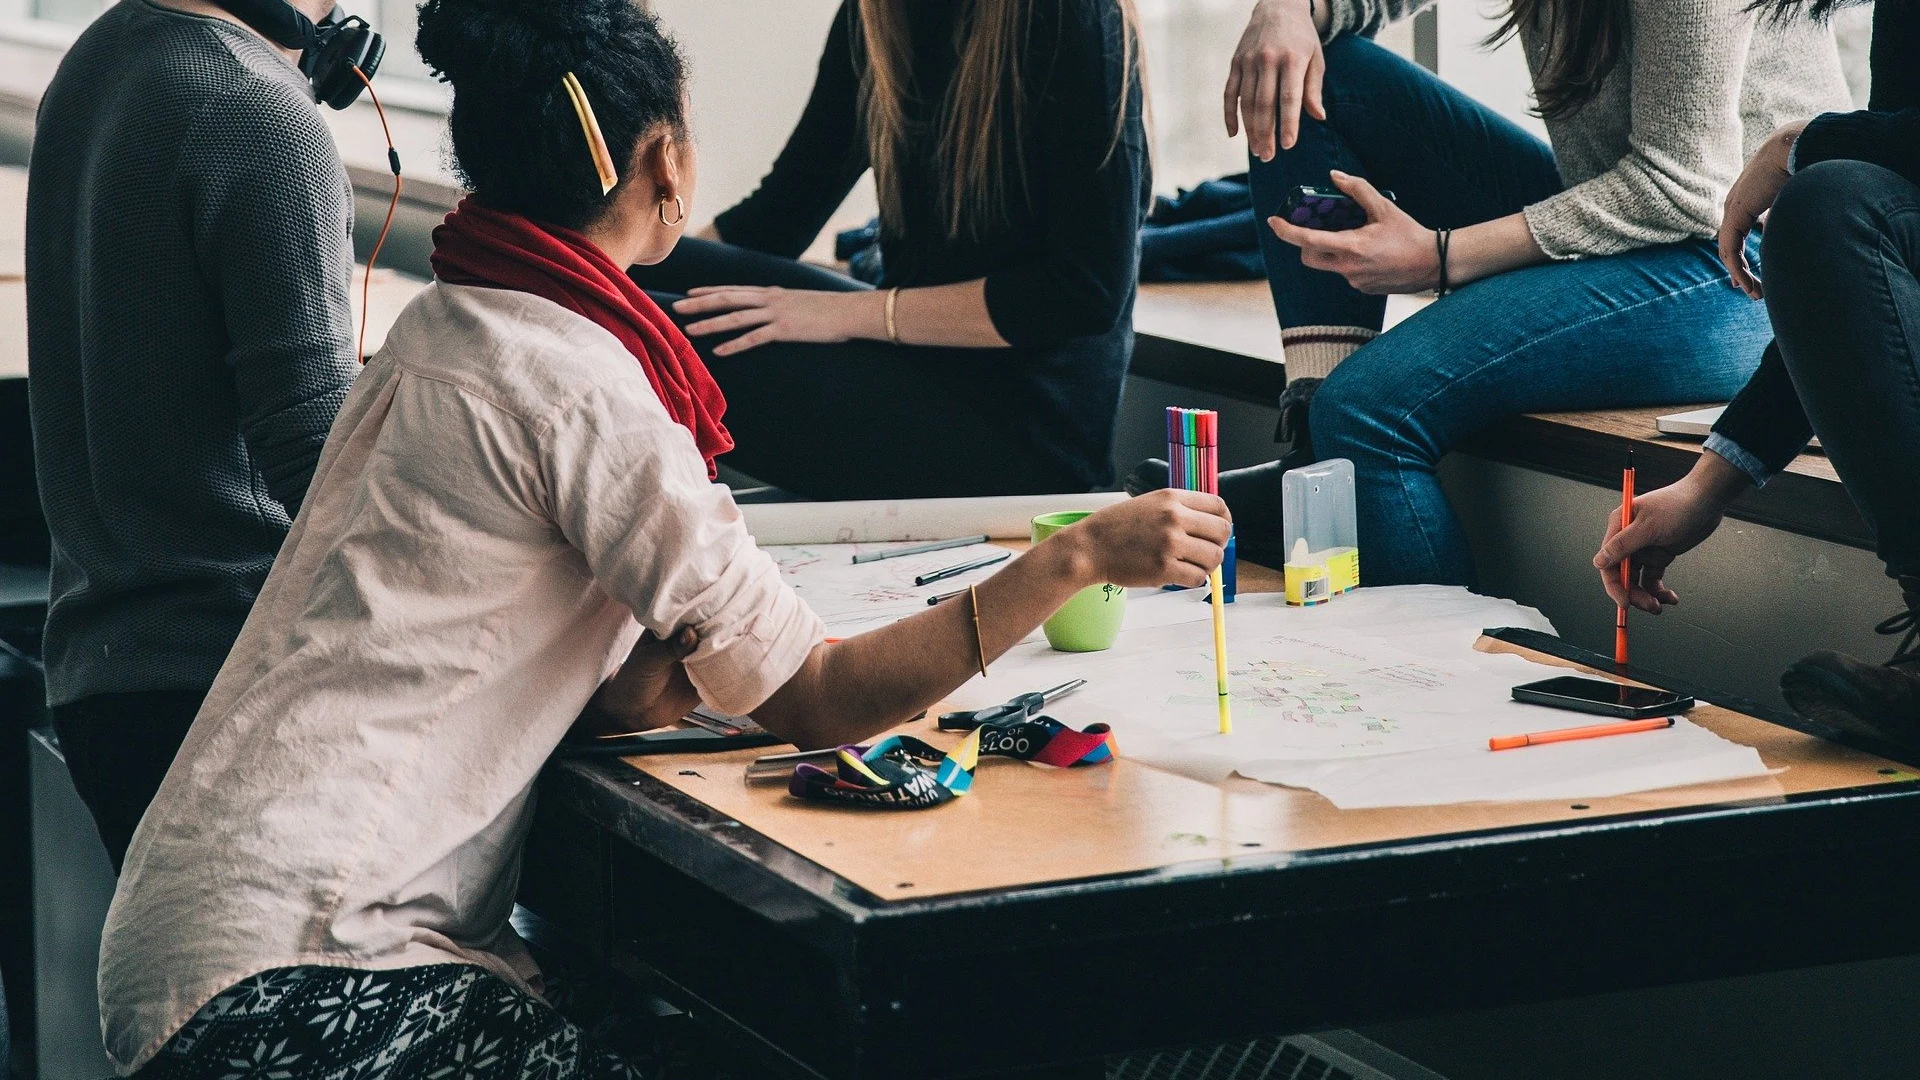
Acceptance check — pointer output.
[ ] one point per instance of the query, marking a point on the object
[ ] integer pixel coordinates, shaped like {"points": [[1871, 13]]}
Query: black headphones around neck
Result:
{"points": [[329, 51]]}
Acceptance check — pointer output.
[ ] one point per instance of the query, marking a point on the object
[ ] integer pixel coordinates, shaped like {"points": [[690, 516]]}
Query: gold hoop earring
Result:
{"points": [[679, 211]]}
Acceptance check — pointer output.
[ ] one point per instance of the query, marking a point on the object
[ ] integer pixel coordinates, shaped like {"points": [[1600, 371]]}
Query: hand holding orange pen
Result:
{"points": [[1626, 565]]}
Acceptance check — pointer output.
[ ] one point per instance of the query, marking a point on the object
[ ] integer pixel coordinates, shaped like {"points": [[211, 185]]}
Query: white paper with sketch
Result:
{"points": [[1377, 705], [1468, 772], [1375, 699], [853, 599]]}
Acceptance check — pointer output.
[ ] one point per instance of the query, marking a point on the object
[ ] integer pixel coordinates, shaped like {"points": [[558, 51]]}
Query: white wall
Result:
{"points": [[753, 63], [1498, 78]]}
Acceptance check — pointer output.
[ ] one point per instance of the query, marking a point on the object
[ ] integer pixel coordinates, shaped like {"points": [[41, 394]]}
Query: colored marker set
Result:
{"points": [[1193, 450], [1193, 454]]}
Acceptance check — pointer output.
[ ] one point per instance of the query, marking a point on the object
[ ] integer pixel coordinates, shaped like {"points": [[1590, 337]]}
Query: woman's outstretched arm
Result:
{"points": [[848, 691]]}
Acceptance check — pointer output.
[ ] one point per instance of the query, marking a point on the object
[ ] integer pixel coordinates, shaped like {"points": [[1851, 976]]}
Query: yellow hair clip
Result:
{"points": [[596, 142]]}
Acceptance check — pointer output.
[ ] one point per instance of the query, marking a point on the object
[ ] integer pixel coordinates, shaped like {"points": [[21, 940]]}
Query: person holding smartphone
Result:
{"points": [[1574, 276], [1839, 194]]}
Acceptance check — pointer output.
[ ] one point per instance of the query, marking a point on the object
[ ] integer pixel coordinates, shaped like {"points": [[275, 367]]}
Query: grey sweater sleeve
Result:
{"points": [[1366, 17], [271, 220], [1688, 62]]}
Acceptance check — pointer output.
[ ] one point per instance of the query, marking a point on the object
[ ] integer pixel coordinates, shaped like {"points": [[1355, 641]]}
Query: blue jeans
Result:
{"points": [[1659, 325]]}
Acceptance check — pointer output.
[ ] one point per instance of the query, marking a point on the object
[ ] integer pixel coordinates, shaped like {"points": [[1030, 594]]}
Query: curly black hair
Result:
{"points": [[517, 143]]}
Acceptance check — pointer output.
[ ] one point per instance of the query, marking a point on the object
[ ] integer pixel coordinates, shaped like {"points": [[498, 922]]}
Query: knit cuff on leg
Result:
{"points": [[1312, 352]]}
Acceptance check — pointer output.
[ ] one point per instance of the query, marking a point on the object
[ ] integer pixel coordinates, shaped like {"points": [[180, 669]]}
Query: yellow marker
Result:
{"points": [[1216, 588], [853, 760]]}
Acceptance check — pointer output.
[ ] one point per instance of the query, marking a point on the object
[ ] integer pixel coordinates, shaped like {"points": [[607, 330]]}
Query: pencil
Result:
{"points": [[1626, 565], [918, 549], [1591, 731], [1209, 425], [1216, 588], [961, 568]]}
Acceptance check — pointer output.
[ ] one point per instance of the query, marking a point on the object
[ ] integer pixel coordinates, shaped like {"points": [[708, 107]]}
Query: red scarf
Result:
{"points": [[478, 246]]}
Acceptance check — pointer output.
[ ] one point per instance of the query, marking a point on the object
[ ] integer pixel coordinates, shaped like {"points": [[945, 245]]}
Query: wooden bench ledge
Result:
{"points": [[1218, 336], [1221, 337], [1807, 498]]}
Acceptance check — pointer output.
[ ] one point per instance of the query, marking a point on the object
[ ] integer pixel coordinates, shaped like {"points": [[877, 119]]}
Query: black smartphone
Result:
{"points": [[1602, 697], [1326, 209]]}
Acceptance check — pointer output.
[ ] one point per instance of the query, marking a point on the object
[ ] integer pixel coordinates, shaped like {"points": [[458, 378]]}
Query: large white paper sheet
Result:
{"points": [[1296, 696], [1468, 772], [1376, 699], [1002, 517], [853, 599], [1430, 621]]}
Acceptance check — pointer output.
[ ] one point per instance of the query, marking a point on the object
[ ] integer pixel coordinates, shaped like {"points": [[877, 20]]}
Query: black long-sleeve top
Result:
{"points": [[1765, 428], [1060, 271], [1887, 131]]}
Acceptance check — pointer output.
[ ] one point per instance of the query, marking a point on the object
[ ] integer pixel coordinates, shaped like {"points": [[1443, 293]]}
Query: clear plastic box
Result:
{"points": [[1320, 521]]}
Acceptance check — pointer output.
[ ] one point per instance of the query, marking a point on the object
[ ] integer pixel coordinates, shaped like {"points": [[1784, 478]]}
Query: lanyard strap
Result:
{"points": [[904, 773]]}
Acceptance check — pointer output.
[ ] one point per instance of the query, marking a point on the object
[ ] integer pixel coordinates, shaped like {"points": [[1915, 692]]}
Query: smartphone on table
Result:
{"points": [[1326, 209], [1602, 698]]}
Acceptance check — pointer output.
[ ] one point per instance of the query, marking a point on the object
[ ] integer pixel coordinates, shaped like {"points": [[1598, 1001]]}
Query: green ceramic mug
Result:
{"points": [[1091, 620]]}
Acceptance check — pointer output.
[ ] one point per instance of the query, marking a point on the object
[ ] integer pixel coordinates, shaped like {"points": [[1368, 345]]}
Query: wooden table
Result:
{"points": [[1053, 917]]}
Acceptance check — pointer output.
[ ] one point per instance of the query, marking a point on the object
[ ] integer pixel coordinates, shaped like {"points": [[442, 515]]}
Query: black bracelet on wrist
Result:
{"points": [[1441, 239]]}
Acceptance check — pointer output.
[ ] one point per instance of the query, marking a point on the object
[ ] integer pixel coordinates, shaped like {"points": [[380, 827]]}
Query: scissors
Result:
{"points": [[1018, 709]]}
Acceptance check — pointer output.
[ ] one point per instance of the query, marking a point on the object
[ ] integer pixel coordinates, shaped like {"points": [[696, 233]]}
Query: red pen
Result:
{"points": [[1626, 565]]}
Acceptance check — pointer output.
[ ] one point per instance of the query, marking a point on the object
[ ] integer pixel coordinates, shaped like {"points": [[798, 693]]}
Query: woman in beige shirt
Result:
{"points": [[511, 517]]}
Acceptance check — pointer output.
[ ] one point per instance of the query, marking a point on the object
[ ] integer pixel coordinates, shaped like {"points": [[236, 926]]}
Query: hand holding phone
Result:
{"points": [[1325, 209]]}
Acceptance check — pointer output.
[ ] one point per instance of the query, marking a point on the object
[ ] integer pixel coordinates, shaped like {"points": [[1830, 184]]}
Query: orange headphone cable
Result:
{"points": [[393, 204]]}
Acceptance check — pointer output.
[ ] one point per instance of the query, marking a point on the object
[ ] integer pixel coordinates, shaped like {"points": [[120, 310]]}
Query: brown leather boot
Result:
{"points": [[1879, 701]]}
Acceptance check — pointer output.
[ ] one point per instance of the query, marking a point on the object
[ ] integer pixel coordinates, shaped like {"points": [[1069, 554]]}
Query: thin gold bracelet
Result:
{"points": [[979, 643], [893, 328]]}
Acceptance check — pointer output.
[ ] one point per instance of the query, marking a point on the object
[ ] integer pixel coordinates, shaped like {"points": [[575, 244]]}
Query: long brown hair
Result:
{"points": [[1582, 41], [983, 118]]}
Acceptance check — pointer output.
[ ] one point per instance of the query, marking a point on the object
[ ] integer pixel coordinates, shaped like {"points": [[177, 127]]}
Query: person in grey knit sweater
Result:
{"points": [[1586, 271], [189, 342]]}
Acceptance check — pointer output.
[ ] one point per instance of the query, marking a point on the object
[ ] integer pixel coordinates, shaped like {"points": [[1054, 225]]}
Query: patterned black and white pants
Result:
{"points": [[438, 1022]]}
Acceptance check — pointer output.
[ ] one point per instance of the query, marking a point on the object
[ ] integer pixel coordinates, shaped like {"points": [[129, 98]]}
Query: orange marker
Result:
{"points": [[1591, 731], [1626, 565]]}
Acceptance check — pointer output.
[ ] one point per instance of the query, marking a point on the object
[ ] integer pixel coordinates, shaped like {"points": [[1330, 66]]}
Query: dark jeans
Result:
{"points": [[1842, 251], [118, 747], [860, 419], [1654, 326]]}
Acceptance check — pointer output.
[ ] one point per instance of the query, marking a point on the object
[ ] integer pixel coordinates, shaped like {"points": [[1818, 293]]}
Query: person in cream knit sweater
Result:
{"points": [[1573, 276]]}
